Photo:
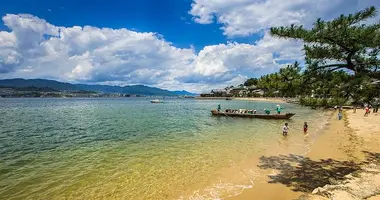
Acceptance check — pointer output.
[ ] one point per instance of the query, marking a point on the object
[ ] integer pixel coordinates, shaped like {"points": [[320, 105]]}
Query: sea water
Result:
{"points": [[129, 148]]}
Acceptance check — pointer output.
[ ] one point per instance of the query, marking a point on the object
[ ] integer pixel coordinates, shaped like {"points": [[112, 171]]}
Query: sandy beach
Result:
{"points": [[366, 127], [277, 100], [341, 148]]}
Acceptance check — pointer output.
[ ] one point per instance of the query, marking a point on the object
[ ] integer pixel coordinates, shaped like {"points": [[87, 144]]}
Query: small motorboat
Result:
{"points": [[156, 101], [228, 98], [248, 115]]}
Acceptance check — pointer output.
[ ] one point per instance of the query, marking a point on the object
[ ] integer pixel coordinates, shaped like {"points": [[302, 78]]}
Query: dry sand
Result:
{"points": [[366, 127], [338, 151]]}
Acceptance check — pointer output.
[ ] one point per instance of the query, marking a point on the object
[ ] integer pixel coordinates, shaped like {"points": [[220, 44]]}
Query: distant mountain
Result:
{"points": [[56, 85], [39, 83], [184, 93]]}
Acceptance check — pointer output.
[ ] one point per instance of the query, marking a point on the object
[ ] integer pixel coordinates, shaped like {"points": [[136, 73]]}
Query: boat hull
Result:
{"points": [[260, 116], [154, 101]]}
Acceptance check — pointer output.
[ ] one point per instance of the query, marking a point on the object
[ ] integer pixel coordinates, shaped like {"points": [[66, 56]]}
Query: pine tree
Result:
{"points": [[346, 42]]}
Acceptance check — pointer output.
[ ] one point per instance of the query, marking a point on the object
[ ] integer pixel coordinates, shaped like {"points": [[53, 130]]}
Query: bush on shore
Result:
{"points": [[322, 102]]}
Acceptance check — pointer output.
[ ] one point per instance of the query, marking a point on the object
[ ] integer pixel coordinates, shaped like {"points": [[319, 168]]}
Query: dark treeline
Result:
{"points": [[341, 62]]}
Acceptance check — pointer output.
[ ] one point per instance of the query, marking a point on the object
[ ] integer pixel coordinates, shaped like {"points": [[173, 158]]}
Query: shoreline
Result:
{"points": [[342, 145], [277, 100], [262, 99]]}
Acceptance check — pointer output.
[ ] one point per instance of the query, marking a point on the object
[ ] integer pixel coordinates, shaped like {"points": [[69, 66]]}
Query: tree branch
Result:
{"points": [[333, 69], [337, 43], [331, 65]]}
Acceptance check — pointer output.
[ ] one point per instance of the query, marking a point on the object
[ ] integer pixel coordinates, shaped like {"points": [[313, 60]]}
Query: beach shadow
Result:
{"points": [[371, 158], [304, 175]]}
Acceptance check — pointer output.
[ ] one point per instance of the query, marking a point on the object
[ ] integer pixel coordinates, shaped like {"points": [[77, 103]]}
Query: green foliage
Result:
{"points": [[251, 81], [317, 102], [286, 82], [320, 89], [345, 42], [342, 59]]}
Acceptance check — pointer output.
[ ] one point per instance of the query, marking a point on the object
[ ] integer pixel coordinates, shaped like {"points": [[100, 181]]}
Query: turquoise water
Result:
{"points": [[129, 148]]}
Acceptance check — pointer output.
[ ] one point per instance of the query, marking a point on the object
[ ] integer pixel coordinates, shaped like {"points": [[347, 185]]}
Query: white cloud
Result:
{"points": [[245, 17], [223, 62], [36, 49]]}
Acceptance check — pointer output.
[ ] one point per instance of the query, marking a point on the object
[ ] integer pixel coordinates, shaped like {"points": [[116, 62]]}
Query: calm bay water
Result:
{"points": [[128, 148]]}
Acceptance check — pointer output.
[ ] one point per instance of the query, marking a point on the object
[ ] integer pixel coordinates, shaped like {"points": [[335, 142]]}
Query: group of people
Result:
{"points": [[240, 111], [286, 128], [368, 110], [278, 110], [246, 111]]}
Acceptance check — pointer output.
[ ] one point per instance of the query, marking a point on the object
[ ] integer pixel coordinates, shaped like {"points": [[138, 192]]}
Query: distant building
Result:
{"points": [[375, 81], [217, 93], [239, 92], [259, 92], [207, 95]]}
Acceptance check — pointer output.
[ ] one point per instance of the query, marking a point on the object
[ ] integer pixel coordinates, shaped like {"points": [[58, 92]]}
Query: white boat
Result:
{"points": [[156, 101]]}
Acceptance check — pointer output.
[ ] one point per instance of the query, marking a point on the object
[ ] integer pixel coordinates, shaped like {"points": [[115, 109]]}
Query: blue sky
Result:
{"points": [[169, 18], [173, 44]]}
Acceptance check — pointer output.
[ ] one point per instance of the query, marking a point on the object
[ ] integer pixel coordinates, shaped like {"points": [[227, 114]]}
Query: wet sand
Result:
{"points": [[334, 153]]}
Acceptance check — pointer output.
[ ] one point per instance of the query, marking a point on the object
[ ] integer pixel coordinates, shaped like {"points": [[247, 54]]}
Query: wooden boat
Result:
{"points": [[228, 98], [156, 101], [246, 115]]}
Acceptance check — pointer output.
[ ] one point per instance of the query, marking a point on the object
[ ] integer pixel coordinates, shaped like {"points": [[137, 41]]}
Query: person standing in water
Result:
{"points": [[305, 126], [278, 109], [285, 129]]}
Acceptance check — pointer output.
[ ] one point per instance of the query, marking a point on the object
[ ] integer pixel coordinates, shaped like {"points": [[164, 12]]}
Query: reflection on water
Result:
{"points": [[132, 149]]}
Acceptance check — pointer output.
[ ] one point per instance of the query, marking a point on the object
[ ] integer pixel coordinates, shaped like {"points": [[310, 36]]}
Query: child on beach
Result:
{"points": [[340, 115], [305, 126], [285, 129], [366, 111]]}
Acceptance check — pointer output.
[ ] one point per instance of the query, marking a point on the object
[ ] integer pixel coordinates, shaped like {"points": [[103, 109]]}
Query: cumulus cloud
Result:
{"points": [[245, 17], [34, 48], [223, 62]]}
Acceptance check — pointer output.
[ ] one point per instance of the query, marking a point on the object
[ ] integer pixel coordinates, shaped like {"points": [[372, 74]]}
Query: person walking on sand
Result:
{"points": [[305, 126], [340, 115], [285, 129], [366, 111]]}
